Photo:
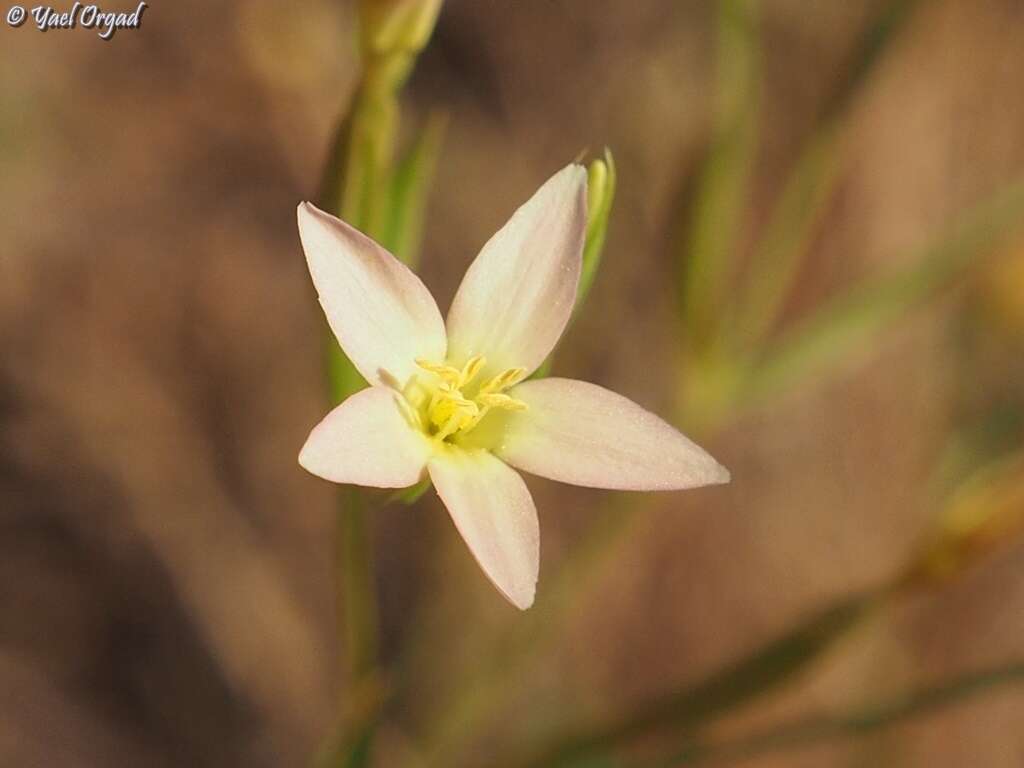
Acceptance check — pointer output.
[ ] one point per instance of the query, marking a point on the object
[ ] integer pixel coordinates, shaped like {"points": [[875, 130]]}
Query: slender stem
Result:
{"points": [[809, 187], [816, 729], [724, 182], [356, 588], [761, 671], [847, 323], [494, 681]]}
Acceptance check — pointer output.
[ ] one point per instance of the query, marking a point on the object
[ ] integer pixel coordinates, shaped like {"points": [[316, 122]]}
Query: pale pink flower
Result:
{"points": [[451, 400]]}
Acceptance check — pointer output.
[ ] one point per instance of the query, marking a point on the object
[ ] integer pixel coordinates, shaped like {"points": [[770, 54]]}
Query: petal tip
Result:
{"points": [[720, 475], [305, 208], [706, 474], [306, 459], [520, 595], [525, 601], [576, 173]]}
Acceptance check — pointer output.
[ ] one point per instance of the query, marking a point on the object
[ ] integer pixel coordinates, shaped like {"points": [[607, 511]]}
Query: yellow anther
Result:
{"points": [[446, 373], [504, 380], [471, 369], [495, 400]]}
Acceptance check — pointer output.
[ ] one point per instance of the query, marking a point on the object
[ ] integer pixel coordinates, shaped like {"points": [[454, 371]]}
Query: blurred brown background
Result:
{"points": [[166, 587]]}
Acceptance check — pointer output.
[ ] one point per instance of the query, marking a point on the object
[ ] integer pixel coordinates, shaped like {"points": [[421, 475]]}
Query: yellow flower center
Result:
{"points": [[449, 403]]}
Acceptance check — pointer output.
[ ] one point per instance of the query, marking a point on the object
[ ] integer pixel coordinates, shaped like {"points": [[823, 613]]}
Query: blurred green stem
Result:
{"points": [[809, 187], [755, 675], [817, 729], [723, 187], [403, 223], [356, 588], [779, 253], [849, 322], [492, 683]]}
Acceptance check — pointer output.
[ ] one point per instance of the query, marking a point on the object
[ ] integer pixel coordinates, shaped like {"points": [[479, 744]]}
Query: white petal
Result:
{"points": [[381, 313], [518, 294], [493, 510], [367, 441], [583, 434]]}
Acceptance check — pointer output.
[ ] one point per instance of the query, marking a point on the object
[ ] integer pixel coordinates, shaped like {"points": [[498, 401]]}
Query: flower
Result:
{"points": [[451, 400]]}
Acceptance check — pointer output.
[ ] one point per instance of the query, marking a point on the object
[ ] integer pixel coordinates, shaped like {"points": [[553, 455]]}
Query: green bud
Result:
{"points": [[600, 195], [393, 26]]}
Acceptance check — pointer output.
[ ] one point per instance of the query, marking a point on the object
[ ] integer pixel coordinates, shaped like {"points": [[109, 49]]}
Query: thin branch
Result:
{"points": [[765, 669], [816, 729]]}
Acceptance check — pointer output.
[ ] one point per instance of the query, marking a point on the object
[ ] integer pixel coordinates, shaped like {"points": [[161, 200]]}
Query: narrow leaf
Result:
{"points": [[850, 322]]}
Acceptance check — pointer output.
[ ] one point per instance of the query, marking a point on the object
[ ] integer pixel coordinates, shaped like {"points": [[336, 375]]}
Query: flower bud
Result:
{"points": [[600, 195]]}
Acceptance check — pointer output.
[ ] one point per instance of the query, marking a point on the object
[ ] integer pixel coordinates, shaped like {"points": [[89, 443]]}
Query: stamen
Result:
{"points": [[413, 392], [504, 380], [471, 369], [448, 411], [446, 373], [409, 413], [502, 401]]}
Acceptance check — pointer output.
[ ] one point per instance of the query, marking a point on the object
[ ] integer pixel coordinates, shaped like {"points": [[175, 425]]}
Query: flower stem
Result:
{"points": [[356, 589], [360, 185]]}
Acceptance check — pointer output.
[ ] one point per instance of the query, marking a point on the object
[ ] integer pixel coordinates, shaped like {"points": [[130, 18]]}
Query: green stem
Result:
{"points": [[809, 187], [724, 182], [356, 587], [817, 729], [760, 672], [847, 323], [494, 682]]}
